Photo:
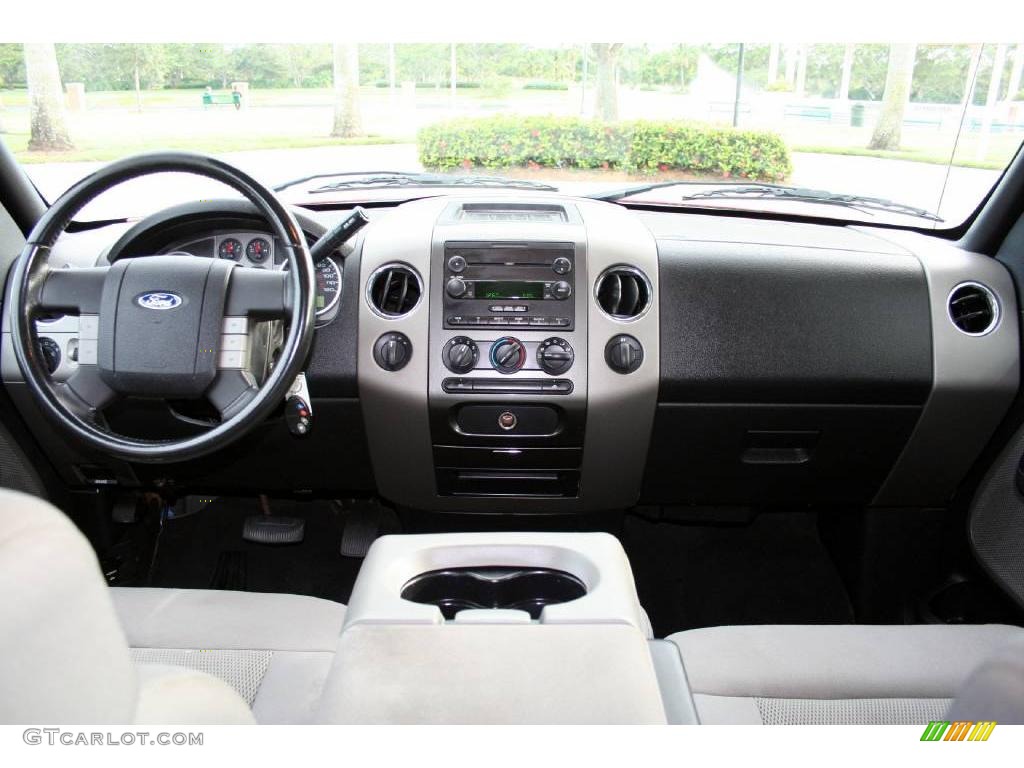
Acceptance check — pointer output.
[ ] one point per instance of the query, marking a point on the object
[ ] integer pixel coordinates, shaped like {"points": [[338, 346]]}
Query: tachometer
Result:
{"points": [[328, 286], [230, 248]]}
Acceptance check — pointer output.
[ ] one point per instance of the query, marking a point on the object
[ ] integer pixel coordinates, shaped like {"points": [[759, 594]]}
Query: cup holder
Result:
{"points": [[493, 586]]}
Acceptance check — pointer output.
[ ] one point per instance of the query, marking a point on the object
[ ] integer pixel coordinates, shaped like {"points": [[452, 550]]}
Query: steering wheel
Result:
{"points": [[152, 326]]}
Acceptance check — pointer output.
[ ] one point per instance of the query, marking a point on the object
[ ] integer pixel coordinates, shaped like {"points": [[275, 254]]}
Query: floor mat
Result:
{"points": [[772, 571], [206, 550]]}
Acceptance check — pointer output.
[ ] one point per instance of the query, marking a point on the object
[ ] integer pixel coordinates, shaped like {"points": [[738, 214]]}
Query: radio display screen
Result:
{"points": [[508, 289]]}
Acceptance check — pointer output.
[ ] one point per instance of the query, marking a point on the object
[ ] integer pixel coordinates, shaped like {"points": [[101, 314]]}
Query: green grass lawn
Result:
{"points": [[86, 152], [913, 155]]}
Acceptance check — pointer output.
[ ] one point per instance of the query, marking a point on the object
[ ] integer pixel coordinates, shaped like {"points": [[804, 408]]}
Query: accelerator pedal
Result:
{"points": [[364, 522]]}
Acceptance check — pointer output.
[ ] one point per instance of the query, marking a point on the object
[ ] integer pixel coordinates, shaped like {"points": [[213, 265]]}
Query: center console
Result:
{"points": [[501, 628], [509, 354]]}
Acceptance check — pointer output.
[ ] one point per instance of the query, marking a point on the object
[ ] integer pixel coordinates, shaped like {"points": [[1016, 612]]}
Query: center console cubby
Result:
{"points": [[513, 588]]}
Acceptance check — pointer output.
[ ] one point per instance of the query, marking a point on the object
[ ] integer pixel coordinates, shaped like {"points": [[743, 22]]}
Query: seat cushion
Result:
{"points": [[275, 650], [833, 674]]}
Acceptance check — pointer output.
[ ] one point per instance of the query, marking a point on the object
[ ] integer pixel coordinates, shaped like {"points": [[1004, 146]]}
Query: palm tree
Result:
{"points": [[347, 122], [46, 95], [606, 56], [888, 129]]}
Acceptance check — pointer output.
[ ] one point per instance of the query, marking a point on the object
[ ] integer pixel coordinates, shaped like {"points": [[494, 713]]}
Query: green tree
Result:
{"points": [[940, 73], [12, 65], [889, 128]]}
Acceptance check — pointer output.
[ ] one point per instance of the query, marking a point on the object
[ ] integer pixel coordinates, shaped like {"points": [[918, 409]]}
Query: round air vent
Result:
{"points": [[394, 290], [623, 292], [973, 308]]}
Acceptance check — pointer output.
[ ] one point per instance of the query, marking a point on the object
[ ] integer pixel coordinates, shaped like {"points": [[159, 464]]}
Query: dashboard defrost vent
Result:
{"points": [[973, 308], [623, 292], [395, 290], [521, 212]]}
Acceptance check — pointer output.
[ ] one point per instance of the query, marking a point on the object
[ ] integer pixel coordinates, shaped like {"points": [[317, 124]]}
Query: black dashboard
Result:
{"points": [[534, 353]]}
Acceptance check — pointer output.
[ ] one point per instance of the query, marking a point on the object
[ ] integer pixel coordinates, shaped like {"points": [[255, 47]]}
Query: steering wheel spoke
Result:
{"points": [[260, 294], [231, 392], [77, 291], [86, 392]]}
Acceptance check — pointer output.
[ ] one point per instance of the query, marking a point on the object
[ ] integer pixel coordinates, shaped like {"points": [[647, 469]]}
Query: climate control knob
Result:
{"points": [[555, 356], [508, 354], [460, 355]]}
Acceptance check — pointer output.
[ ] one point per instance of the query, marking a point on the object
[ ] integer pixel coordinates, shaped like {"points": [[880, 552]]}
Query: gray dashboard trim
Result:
{"points": [[394, 403], [975, 378], [620, 408]]}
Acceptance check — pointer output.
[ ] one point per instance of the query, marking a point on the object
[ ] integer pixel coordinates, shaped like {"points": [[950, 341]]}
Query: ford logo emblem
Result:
{"points": [[159, 300]]}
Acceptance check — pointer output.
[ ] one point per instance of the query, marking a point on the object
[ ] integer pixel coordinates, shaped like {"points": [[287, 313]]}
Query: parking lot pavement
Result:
{"points": [[917, 184]]}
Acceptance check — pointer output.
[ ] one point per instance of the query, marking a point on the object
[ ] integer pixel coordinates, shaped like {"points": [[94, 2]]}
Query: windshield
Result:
{"points": [[923, 131]]}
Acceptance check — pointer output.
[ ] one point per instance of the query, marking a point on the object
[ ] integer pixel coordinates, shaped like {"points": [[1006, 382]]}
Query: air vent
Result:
{"points": [[973, 308], [394, 290], [623, 292]]}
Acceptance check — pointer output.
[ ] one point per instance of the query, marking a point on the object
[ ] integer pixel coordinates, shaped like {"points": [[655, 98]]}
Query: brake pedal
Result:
{"points": [[274, 529]]}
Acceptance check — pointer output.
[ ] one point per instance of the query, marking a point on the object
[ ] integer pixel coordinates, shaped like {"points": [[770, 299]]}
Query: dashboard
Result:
{"points": [[531, 353]]}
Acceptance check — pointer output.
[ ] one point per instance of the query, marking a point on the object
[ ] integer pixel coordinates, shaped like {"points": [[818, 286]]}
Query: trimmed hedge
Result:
{"points": [[638, 146], [545, 85]]}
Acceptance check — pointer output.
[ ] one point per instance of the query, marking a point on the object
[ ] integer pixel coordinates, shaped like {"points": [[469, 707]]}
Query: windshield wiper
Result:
{"points": [[384, 179], [636, 189], [860, 202], [779, 192]]}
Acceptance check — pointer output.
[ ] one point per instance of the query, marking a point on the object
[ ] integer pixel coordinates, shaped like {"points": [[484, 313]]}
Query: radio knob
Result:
{"points": [[561, 266], [456, 263], [460, 355], [555, 356], [508, 354], [455, 287], [561, 290]]}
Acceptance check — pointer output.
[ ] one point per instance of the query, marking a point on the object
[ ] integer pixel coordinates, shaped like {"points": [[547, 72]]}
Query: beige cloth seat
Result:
{"points": [[274, 650], [73, 650], [63, 654], [797, 675]]}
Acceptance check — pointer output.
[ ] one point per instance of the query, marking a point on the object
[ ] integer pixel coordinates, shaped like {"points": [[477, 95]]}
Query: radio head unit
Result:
{"points": [[509, 285]]}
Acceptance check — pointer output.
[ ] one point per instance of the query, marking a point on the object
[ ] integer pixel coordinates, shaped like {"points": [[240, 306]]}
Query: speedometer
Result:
{"points": [[328, 286]]}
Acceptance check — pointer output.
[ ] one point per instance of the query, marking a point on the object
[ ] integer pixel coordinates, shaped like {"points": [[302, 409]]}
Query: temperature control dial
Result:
{"points": [[460, 355], [555, 356], [508, 354]]}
